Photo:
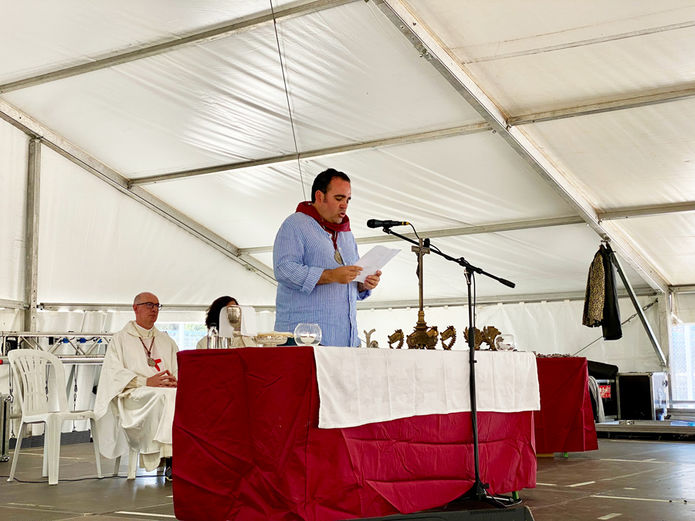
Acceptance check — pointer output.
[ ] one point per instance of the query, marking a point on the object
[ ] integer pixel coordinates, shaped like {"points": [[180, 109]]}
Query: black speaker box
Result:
{"points": [[516, 513]]}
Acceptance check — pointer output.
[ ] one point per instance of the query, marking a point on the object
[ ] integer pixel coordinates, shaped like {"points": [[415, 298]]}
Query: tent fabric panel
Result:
{"points": [[547, 55], [101, 246], [193, 107], [223, 101], [633, 157], [10, 320], [34, 43], [668, 241], [244, 206], [13, 179], [452, 182], [684, 308], [345, 89]]}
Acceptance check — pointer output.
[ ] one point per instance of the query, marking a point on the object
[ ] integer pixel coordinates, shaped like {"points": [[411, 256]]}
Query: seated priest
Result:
{"points": [[137, 389]]}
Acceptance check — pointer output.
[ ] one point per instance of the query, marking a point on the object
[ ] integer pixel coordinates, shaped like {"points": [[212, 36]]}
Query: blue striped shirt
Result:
{"points": [[302, 251]]}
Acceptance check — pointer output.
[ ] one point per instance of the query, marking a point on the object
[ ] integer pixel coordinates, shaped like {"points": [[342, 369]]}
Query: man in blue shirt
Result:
{"points": [[313, 258]]}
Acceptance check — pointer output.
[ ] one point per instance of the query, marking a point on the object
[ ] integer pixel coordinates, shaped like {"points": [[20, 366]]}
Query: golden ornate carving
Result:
{"points": [[448, 334], [489, 335], [477, 337], [396, 337], [422, 337]]}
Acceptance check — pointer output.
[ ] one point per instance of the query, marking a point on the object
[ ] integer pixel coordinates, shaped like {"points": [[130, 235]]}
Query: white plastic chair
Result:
{"points": [[32, 369]]}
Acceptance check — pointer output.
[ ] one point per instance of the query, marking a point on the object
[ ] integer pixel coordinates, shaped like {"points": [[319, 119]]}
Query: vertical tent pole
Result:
{"points": [[32, 235]]}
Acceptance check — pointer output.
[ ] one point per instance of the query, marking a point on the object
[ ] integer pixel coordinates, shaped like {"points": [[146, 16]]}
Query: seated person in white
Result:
{"points": [[137, 389]]}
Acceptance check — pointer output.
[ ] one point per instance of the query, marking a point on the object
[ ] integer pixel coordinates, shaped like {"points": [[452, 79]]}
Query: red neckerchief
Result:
{"points": [[307, 208]]}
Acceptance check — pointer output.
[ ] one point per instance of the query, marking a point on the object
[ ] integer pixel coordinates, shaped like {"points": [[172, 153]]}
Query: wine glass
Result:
{"points": [[307, 334]]}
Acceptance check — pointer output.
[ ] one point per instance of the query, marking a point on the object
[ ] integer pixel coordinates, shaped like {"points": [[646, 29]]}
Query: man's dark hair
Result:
{"points": [[324, 179], [213, 316]]}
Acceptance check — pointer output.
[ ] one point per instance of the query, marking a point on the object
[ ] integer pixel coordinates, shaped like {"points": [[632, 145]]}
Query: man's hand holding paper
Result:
{"points": [[371, 263]]}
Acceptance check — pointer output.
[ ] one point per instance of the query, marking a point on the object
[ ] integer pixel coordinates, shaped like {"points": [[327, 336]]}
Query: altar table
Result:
{"points": [[565, 422], [247, 446]]}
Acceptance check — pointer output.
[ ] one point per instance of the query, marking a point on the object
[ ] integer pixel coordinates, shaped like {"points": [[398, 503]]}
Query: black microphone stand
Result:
{"points": [[478, 490]]}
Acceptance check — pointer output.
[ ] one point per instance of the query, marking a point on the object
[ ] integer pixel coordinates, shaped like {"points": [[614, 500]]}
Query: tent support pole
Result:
{"points": [[31, 254], [639, 310]]}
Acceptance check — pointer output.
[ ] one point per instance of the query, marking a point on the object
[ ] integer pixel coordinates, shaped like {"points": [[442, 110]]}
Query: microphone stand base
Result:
{"points": [[478, 493], [479, 513]]}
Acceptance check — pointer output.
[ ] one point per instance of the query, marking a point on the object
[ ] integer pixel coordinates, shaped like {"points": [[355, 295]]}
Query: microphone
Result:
{"points": [[376, 223]]}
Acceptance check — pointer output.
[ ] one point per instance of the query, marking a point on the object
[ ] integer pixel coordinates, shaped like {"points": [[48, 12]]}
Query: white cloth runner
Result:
{"points": [[359, 386]]}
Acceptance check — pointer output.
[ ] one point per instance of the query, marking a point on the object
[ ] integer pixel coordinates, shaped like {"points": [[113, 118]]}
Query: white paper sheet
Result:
{"points": [[374, 260]]}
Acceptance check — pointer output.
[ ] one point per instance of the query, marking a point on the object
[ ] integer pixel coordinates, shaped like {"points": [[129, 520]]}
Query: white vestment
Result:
{"points": [[128, 412]]}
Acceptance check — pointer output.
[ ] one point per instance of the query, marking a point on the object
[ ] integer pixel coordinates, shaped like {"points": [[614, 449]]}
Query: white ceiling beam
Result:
{"points": [[454, 232], [641, 100], [84, 306], [12, 304], [646, 210], [376, 143], [221, 31], [443, 59], [583, 43], [79, 157]]}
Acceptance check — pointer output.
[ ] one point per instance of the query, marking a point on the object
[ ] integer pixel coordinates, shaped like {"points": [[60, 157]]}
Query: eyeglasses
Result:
{"points": [[150, 305]]}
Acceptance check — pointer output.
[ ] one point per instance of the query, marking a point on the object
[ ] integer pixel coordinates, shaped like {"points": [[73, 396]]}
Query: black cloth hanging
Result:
{"points": [[601, 300], [611, 312]]}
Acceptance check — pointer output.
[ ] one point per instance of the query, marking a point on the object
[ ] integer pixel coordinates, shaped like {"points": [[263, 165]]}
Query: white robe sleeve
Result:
{"points": [[113, 380]]}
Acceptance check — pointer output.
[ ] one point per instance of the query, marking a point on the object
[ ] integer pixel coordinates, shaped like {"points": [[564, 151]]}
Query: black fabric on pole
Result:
{"points": [[612, 329]]}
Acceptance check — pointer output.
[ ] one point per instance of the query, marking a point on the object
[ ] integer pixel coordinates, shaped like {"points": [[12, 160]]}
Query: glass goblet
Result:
{"points": [[307, 334]]}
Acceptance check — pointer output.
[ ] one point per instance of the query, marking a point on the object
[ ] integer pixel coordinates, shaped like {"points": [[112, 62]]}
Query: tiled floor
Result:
{"points": [[624, 480], [79, 494]]}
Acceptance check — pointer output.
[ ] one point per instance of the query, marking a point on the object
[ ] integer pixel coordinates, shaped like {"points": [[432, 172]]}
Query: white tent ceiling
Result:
{"points": [[514, 134]]}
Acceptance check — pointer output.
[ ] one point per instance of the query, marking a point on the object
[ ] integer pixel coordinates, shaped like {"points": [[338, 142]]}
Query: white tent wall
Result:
{"points": [[684, 307], [10, 319], [13, 180], [98, 245], [542, 327]]}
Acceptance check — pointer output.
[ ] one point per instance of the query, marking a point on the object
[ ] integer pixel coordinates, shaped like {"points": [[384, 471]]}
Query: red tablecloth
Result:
{"points": [[565, 422], [247, 447]]}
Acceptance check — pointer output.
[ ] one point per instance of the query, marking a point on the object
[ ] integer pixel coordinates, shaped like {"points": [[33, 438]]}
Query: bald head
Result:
{"points": [[146, 308]]}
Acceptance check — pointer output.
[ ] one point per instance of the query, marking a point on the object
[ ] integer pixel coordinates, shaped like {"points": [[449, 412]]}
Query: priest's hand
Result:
{"points": [[370, 282], [162, 379]]}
